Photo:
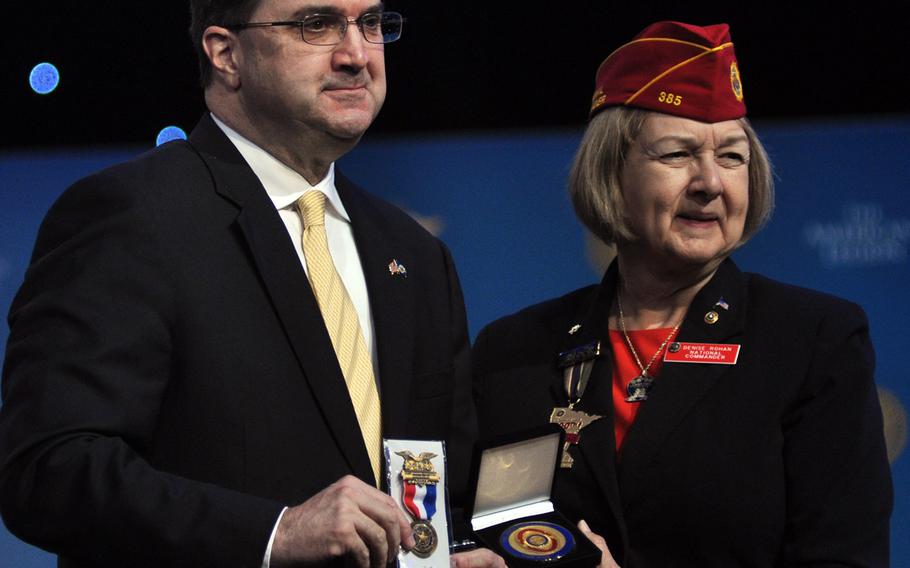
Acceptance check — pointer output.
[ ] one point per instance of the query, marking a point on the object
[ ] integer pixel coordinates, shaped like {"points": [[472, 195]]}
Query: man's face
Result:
{"points": [[287, 83]]}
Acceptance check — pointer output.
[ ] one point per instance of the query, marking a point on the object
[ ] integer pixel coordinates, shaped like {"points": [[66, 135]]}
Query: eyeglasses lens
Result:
{"points": [[329, 29]]}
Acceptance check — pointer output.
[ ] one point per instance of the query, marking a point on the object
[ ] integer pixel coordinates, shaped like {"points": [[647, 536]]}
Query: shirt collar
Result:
{"points": [[284, 185]]}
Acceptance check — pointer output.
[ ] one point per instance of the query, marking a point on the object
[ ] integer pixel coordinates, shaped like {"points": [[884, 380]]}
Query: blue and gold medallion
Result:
{"points": [[537, 541]]}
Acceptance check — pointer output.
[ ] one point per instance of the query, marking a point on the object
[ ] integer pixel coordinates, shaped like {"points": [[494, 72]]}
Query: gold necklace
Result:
{"points": [[639, 387]]}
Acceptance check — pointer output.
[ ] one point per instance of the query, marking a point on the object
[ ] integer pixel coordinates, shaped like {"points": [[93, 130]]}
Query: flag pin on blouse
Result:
{"points": [[397, 269], [721, 303]]}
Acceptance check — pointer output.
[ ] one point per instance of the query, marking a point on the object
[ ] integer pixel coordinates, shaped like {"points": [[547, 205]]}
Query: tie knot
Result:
{"points": [[312, 208]]}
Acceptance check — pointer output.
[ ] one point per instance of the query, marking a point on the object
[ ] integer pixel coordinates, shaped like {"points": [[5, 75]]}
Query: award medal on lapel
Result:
{"points": [[576, 365], [418, 493], [538, 541]]}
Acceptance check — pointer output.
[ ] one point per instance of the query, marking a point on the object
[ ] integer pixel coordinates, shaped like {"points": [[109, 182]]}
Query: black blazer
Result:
{"points": [[776, 461], [169, 384]]}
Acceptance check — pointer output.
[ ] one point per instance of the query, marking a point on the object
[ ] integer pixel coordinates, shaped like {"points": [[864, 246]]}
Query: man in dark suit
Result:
{"points": [[172, 394]]}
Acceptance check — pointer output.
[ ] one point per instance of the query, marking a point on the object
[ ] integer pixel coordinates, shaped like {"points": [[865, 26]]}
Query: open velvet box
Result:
{"points": [[513, 514]]}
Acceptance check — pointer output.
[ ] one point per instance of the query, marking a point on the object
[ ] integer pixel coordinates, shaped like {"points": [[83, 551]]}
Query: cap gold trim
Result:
{"points": [[666, 39], [675, 67]]}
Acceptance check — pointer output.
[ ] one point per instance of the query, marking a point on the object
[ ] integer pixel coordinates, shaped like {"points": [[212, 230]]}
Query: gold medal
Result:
{"points": [[537, 541], [576, 365], [572, 421], [418, 495], [425, 539]]}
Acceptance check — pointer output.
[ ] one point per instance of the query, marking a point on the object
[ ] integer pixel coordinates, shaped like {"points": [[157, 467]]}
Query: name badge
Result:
{"points": [[715, 353]]}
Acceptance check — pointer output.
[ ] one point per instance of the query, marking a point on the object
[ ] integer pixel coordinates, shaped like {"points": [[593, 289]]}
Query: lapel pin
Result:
{"points": [[578, 355], [711, 317], [397, 269], [722, 304], [574, 329]]}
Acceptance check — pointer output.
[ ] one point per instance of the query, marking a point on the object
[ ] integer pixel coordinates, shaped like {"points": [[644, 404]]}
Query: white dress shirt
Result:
{"points": [[285, 187]]}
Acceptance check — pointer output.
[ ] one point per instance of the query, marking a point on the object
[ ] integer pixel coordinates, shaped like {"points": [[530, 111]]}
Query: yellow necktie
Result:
{"points": [[342, 323]]}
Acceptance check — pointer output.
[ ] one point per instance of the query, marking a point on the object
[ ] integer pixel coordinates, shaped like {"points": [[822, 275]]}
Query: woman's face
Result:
{"points": [[686, 189]]}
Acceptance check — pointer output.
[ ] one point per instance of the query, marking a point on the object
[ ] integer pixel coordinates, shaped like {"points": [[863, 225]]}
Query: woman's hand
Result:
{"points": [[606, 560]]}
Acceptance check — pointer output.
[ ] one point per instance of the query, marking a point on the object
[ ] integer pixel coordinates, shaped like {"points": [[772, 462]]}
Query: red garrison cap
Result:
{"points": [[674, 68]]}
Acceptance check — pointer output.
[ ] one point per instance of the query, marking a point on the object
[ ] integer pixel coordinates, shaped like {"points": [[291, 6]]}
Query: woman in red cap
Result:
{"points": [[715, 417]]}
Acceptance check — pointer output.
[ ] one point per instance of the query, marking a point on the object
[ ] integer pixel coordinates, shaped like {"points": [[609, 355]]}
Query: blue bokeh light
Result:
{"points": [[169, 133], [44, 78]]}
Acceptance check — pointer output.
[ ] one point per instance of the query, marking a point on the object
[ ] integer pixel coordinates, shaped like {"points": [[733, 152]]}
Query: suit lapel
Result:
{"points": [[285, 281], [597, 447], [391, 300], [682, 385]]}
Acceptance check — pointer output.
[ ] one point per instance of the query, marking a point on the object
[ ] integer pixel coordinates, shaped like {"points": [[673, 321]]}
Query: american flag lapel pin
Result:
{"points": [[397, 269]]}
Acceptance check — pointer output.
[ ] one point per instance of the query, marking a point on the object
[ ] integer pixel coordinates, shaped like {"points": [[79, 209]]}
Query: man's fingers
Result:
{"points": [[480, 558], [353, 519], [349, 518], [382, 510], [375, 537], [404, 529]]}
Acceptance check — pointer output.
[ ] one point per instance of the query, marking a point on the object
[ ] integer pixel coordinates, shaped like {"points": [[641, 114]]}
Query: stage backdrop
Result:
{"points": [[842, 225]]}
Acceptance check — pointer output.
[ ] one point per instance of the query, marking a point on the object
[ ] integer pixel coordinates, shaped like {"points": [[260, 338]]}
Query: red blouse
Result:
{"points": [[625, 369]]}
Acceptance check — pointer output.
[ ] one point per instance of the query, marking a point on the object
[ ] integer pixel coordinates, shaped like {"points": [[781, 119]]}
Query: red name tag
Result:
{"points": [[717, 353]]}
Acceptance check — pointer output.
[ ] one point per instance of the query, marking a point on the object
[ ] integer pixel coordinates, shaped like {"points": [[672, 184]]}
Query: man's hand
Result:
{"points": [[348, 518], [606, 559], [479, 558]]}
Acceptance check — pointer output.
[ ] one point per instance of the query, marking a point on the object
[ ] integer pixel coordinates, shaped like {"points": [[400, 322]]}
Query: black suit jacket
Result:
{"points": [[169, 384], [778, 460]]}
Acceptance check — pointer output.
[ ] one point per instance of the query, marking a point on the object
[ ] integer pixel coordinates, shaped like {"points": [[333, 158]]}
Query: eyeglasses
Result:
{"points": [[329, 29]]}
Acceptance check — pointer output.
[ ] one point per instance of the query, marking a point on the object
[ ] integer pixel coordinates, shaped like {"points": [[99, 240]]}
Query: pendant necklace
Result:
{"points": [[638, 389]]}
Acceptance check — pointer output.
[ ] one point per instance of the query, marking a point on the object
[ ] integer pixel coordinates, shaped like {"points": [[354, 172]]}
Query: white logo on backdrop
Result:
{"points": [[863, 237]]}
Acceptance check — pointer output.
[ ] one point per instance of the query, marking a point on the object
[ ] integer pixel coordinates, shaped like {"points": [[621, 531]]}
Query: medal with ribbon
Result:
{"points": [[576, 365], [418, 494]]}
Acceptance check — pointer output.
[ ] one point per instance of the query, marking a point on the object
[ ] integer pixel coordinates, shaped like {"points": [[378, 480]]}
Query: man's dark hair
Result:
{"points": [[205, 13]]}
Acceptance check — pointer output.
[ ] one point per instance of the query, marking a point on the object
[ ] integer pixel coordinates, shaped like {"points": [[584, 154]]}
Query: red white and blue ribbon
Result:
{"points": [[419, 500]]}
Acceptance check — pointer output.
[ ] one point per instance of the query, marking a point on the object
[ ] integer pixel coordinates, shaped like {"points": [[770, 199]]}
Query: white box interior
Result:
{"points": [[515, 481]]}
